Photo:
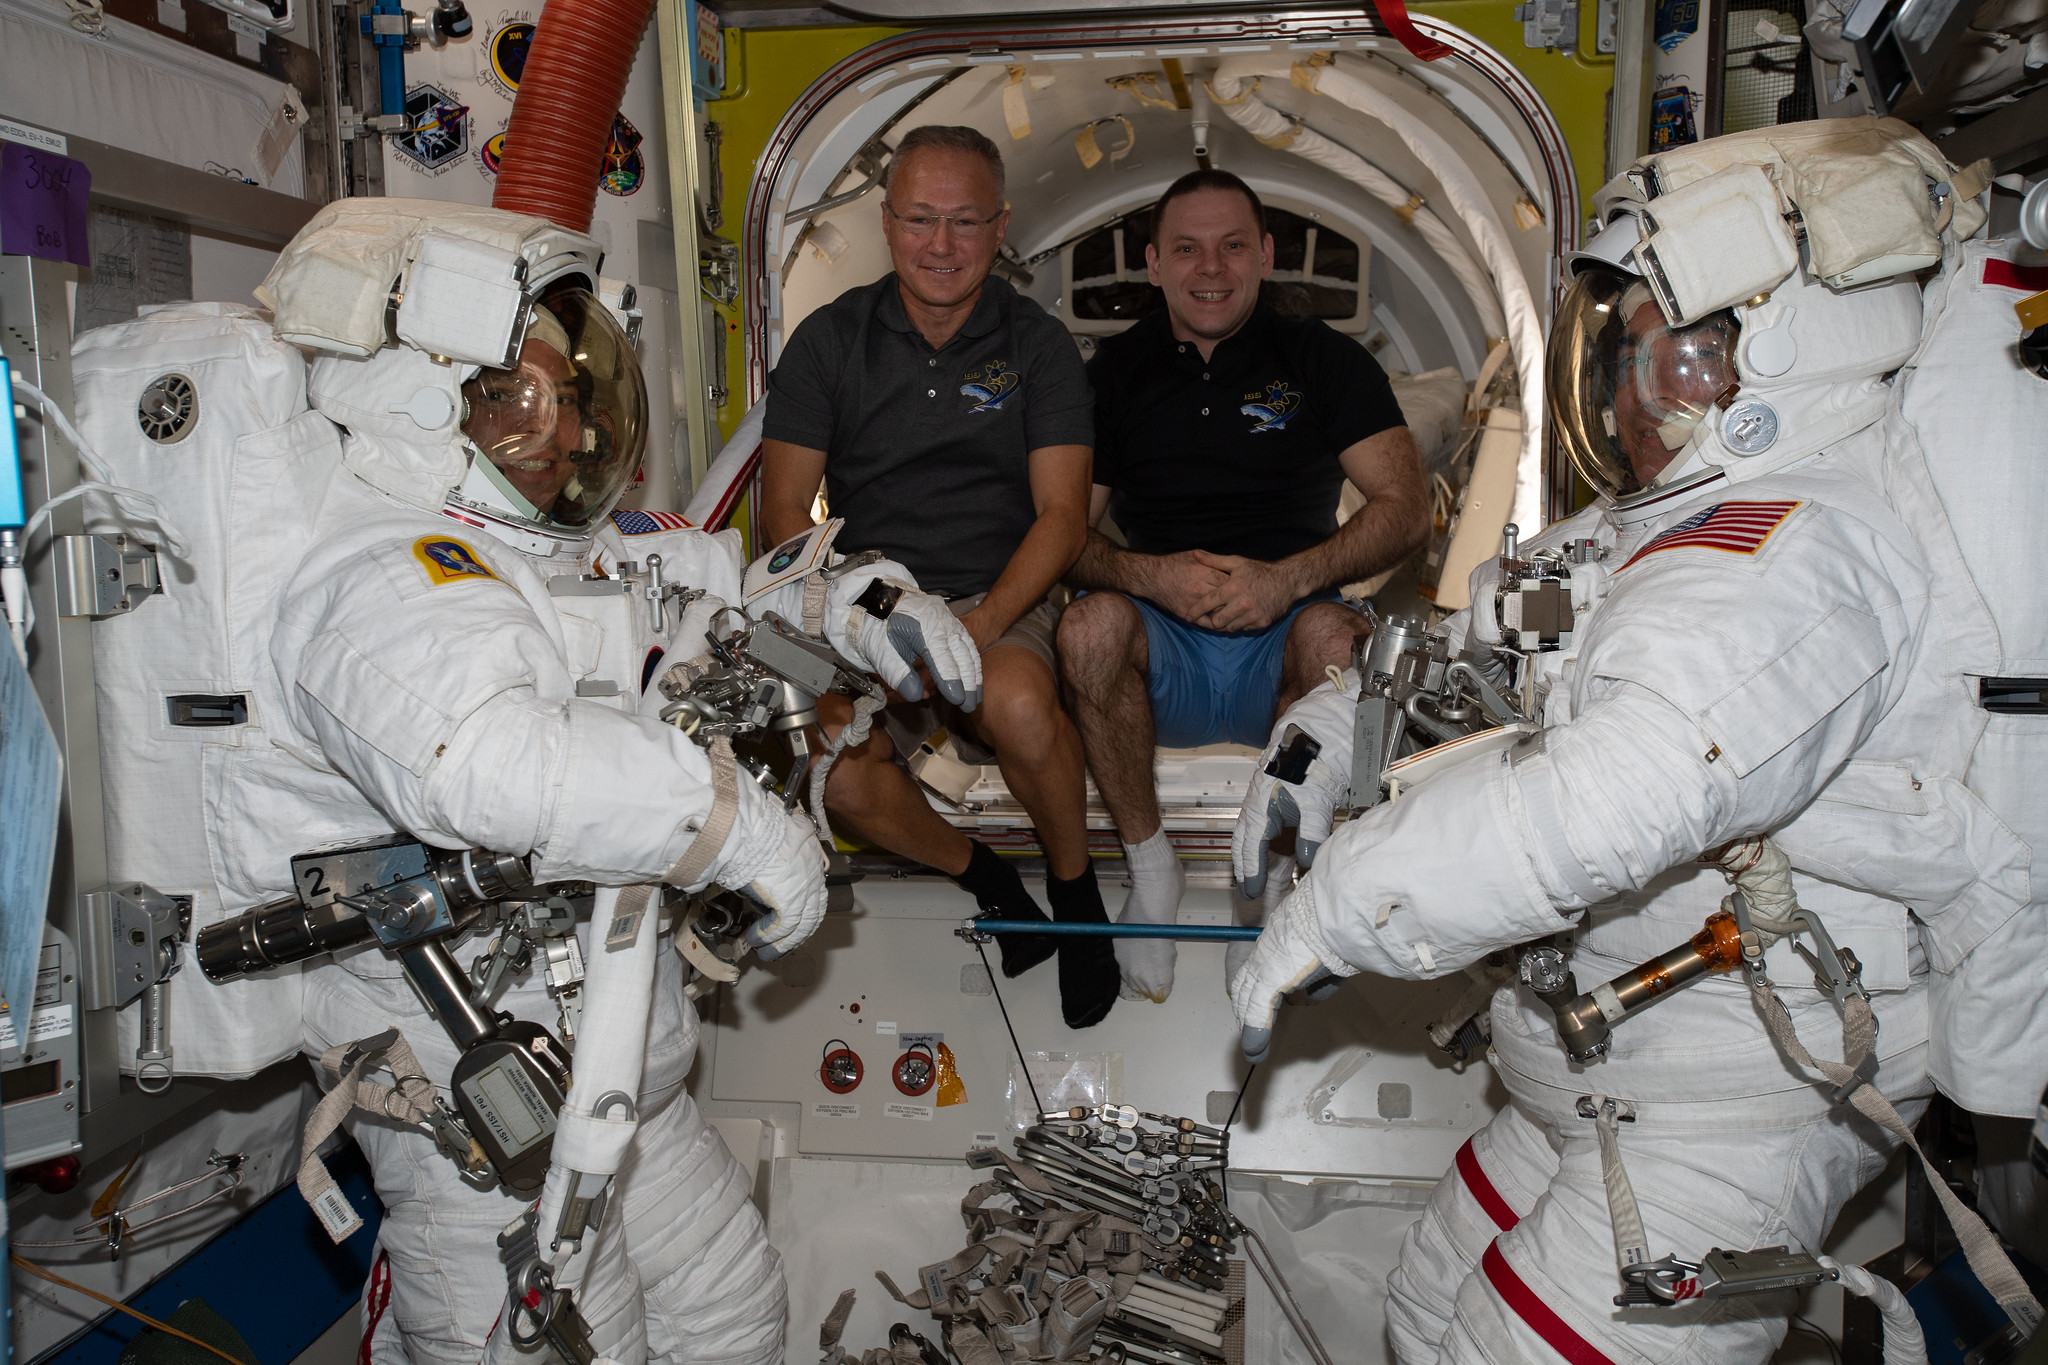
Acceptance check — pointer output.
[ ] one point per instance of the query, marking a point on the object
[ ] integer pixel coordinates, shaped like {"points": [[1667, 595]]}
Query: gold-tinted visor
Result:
{"points": [[1626, 391]]}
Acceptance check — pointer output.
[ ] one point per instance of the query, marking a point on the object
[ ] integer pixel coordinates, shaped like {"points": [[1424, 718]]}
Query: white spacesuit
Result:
{"points": [[447, 632], [1774, 643]]}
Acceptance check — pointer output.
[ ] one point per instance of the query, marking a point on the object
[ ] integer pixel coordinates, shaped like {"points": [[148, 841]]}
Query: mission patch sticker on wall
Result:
{"points": [[625, 170], [507, 47], [440, 129]]}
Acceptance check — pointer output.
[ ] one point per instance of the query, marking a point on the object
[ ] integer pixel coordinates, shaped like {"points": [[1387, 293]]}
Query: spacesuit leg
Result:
{"points": [[1495, 1181], [1759, 1171], [726, 1305], [439, 1237], [713, 1287]]}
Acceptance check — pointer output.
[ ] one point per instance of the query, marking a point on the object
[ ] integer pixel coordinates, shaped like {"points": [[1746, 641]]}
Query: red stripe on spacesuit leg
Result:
{"points": [[375, 1301], [2012, 275], [1475, 1178], [1553, 1329]]}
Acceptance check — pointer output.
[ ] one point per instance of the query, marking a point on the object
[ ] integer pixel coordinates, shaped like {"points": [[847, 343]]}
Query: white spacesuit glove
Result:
{"points": [[1273, 803], [791, 884], [1291, 955], [917, 626]]}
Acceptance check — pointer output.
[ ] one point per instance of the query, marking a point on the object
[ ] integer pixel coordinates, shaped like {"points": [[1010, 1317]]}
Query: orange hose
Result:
{"points": [[575, 76]]}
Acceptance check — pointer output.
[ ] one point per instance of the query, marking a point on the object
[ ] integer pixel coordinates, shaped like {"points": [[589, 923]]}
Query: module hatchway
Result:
{"points": [[1420, 207]]}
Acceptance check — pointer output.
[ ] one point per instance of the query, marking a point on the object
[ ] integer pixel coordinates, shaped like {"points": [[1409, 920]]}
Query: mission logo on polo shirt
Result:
{"points": [[1274, 408], [990, 385]]}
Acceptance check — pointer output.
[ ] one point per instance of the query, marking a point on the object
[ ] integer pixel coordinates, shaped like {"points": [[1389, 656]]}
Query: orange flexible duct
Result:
{"points": [[569, 93]]}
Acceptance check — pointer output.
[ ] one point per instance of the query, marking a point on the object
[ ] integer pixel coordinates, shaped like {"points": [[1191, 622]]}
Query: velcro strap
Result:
{"points": [[710, 841], [408, 1101], [815, 589]]}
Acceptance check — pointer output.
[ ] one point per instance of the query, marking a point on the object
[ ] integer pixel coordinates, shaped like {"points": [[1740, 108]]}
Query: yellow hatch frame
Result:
{"points": [[768, 71]]}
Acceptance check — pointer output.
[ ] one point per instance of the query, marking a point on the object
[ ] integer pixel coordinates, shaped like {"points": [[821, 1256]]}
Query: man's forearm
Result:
{"points": [[1379, 535], [1043, 555], [1105, 566]]}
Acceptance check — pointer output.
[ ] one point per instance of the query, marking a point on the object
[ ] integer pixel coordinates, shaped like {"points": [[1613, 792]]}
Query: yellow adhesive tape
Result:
{"points": [[951, 1089]]}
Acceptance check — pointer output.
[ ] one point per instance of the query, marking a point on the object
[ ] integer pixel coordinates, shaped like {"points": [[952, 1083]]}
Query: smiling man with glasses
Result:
{"points": [[952, 426]]}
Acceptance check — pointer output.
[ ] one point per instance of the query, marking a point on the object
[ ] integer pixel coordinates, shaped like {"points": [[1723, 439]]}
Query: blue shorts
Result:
{"points": [[1209, 686]]}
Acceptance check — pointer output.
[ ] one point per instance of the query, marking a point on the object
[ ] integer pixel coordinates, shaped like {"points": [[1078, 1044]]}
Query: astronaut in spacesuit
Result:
{"points": [[463, 639], [1771, 633]]}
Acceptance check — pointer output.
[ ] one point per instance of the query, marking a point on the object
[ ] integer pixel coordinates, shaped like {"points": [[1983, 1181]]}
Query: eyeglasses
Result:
{"points": [[924, 225]]}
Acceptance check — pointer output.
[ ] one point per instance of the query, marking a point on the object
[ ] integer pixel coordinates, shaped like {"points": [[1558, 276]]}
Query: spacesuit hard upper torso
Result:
{"points": [[400, 626], [1757, 646], [406, 648]]}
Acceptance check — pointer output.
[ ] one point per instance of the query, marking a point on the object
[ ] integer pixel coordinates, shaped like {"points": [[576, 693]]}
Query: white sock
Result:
{"points": [[1279, 882], [1156, 884]]}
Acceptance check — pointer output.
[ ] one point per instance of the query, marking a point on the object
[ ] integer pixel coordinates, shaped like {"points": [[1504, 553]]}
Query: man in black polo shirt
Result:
{"points": [[1224, 433], [951, 423]]}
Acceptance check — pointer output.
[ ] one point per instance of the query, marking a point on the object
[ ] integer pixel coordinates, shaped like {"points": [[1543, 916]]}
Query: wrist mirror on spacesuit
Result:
{"points": [[1627, 391], [559, 433]]}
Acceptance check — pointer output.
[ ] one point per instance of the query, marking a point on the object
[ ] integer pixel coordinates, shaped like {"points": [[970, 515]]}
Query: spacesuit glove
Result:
{"points": [[921, 627], [791, 886], [1291, 955], [1273, 804]]}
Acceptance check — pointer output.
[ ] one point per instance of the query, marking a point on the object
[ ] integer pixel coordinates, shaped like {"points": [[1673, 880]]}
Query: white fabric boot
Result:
{"points": [[1156, 884], [1253, 910]]}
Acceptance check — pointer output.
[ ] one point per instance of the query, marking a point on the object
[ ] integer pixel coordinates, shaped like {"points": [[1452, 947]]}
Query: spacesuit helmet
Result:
{"points": [[1744, 300], [555, 438], [1629, 393], [475, 359]]}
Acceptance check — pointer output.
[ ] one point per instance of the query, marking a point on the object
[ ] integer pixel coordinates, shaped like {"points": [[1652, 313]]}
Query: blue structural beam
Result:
{"points": [[1190, 933], [273, 1275], [385, 25]]}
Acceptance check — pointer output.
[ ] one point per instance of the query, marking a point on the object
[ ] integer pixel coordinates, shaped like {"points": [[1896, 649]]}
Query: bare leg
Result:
{"points": [[1103, 657], [868, 795], [1320, 637], [1039, 752]]}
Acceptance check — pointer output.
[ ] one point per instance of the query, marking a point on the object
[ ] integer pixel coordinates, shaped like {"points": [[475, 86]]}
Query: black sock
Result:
{"points": [[1000, 893], [1088, 971]]}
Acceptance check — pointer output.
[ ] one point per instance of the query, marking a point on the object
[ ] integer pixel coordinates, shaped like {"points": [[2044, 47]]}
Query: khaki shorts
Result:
{"points": [[910, 723], [1033, 630]]}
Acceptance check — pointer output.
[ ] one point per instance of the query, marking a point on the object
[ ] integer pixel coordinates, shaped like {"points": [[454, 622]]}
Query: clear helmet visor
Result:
{"points": [[1627, 392], [560, 434]]}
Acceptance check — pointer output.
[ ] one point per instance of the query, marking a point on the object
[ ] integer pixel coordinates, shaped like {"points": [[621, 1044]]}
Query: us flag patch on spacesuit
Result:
{"points": [[632, 522], [1739, 528]]}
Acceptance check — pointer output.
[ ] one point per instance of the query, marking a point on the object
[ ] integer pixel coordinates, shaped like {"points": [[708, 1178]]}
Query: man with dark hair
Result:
{"points": [[951, 423], [1224, 433]]}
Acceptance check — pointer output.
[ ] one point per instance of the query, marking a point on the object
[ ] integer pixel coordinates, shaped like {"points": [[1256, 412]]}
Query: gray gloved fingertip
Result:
{"points": [[1305, 852], [973, 700], [952, 691], [1251, 888], [768, 952], [1255, 1044], [911, 688]]}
